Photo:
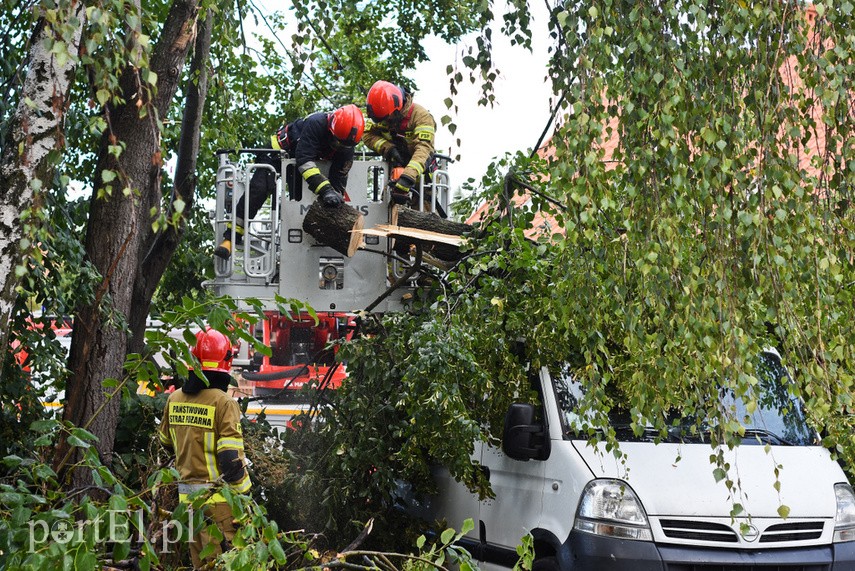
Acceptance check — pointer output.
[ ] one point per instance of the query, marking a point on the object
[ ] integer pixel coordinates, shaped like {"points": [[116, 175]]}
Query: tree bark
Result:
{"points": [[408, 218], [35, 133], [119, 221], [337, 228]]}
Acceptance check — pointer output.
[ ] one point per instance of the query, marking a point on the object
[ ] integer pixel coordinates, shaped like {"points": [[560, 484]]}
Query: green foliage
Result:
{"points": [[19, 406], [362, 43], [129, 499], [46, 526], [709, 239], [701, 237], [419, 389], [415, 396], [135, 445], [190, 266], [444, 551], [526, 552], [673, 233]]}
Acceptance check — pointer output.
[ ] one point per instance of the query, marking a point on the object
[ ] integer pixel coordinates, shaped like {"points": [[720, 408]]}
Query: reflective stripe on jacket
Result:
{"points": [[204, 431], [413, 131], [310, 140]]}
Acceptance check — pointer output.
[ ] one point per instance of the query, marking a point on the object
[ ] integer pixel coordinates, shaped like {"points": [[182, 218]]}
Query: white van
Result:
{"points": [[663, 509]]}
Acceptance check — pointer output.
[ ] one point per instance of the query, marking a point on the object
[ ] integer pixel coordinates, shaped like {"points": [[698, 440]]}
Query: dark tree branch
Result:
{"points": [[159, 248]]}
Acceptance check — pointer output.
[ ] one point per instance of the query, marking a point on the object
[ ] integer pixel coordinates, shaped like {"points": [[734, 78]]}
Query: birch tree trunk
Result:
{"points": [[35, 137]]}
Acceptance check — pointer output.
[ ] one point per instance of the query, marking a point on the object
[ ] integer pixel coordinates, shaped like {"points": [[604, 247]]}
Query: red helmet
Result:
{"points": [[347, 124], [214, 351], [384, 99]]}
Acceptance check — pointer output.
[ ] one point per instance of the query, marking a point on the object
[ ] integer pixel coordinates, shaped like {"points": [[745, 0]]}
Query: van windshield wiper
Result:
{"points": [[766, 437]]}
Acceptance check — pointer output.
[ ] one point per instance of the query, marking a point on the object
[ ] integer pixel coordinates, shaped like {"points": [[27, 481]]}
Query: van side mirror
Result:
{"points": [[522, 438]]}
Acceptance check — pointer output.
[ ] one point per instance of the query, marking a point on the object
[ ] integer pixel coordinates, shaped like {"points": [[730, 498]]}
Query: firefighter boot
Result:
{"points": [[224, 250]]}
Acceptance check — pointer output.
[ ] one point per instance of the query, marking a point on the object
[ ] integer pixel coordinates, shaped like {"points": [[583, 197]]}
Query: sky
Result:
{"points": [[523, 100]]}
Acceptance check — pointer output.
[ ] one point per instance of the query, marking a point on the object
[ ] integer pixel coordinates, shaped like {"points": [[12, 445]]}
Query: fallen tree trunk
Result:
{"points": [[407, 218], [339, 228]]}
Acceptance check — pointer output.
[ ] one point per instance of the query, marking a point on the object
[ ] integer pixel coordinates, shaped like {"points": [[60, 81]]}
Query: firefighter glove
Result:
{"points": [[394, 157], [401, 189], [404, 184], [330, 197]]}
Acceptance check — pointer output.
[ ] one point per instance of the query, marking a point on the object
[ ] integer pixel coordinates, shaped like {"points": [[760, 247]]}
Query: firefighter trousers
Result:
{"points": [[219, 514]]}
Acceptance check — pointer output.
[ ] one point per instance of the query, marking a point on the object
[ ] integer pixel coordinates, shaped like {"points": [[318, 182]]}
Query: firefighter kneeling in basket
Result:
{"points": [[320, 136]]}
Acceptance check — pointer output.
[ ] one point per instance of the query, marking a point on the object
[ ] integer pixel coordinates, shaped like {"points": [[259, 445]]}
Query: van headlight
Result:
{"points": [[844, 520], [611, 508]]}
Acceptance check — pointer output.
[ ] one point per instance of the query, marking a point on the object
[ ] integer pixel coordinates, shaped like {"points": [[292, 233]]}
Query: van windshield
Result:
{"points": [[778, 418]]}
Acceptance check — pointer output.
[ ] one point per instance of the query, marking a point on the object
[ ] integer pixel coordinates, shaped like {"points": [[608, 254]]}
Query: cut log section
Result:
{"points": [[408, 219], [339, 228]]}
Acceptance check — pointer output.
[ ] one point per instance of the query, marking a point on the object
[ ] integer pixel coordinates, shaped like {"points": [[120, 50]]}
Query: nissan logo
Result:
{"points": [[749, 532]]}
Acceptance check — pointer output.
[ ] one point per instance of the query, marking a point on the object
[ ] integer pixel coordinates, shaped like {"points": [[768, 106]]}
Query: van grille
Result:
{"points": [[799, 531], [698, 531], [721, 533]]}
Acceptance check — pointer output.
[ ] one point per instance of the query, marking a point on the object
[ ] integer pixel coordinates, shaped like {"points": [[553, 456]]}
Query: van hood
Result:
{"points": [[807, 476]]}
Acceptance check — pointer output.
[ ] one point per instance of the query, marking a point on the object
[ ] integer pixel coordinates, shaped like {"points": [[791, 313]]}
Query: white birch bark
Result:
{"points": [[35, 131]]}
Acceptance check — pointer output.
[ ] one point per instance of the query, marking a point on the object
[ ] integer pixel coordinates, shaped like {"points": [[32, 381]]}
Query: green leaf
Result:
{"points": [[189, 337], [75, 441], [42, 425], [12, 461], [118, 503], [121, 550], [85, 559], [43, 440], [83, 434], [275, 549], [103, 96]]}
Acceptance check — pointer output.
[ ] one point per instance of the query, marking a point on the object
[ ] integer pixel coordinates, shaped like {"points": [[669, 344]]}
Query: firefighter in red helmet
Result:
{"points": [[403, 132], [201, 425], [320, 136]]}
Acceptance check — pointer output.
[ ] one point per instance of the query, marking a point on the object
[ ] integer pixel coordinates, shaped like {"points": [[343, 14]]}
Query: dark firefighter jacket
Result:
{"points": [[202, 425], [309, 140], [411, 131]]}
